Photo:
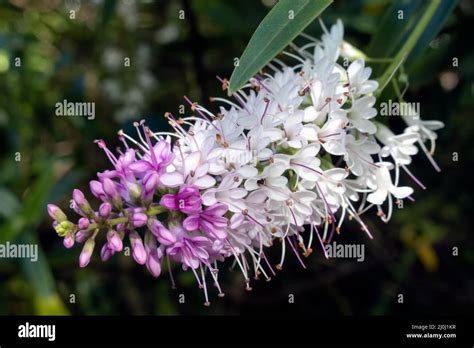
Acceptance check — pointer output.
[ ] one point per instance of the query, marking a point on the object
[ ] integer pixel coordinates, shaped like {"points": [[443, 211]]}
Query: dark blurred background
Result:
{"points": [[44, 157]]}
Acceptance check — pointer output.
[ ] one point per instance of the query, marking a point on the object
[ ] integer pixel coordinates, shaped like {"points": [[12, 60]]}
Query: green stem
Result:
{"points": [[409, 44]]}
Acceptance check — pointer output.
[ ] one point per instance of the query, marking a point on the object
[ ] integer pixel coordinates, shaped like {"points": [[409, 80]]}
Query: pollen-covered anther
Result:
{"points": [[194, 106], [225, 84], [273, 230], [279, 267], [338, 230]]}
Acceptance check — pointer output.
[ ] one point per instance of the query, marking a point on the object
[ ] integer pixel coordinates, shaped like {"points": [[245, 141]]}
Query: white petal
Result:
{"points": [[401, 192], [205, 182], [377, 197], [172, 179]]}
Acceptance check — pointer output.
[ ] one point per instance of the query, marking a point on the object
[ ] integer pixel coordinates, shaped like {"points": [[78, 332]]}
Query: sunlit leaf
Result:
{"points": [[283, 23]]}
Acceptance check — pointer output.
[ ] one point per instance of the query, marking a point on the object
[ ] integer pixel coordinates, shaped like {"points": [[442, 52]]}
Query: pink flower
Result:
{"points": [[187, 200], [191, 251], [209, 220]]}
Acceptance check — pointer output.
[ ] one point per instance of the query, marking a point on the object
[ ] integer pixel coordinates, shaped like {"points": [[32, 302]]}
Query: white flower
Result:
{"points": [[358, 154], [361, 112], [331, 136], [271, 182], [228, 192], [382, 183], [193, 170], [332, 41], [304, 162], [296, 208], [358, 76], [284, 88], [401, 147]]}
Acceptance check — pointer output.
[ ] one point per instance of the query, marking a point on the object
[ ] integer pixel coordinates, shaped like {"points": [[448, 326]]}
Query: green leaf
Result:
{"points": [[273, 34], [409, 44], [391, 30], [436, 23]]}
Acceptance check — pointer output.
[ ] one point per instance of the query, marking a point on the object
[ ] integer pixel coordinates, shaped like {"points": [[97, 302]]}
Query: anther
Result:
{"points": [[225, 84]]}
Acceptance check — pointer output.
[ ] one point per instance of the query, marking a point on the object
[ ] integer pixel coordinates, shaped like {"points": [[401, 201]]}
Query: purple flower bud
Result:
{"points": [[106, 253], [134, 189], [83, 223], [78, 197], [114, 241], [82, 235], [96, 189], [104, 210], [138, 219], [81, 202], [76, 208], [86, 253], [138, 250], [154, 254], [56, 213], [161, 233], [110, 188], [68, 240], [153, 262]]}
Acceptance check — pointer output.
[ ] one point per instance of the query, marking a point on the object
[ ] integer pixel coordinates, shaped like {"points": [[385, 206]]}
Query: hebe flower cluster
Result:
{"points": [[296, 153]]}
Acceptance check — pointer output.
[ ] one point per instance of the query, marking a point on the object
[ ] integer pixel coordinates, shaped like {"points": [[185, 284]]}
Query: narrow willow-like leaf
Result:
{"points": [[283, 23], [409, 44]]}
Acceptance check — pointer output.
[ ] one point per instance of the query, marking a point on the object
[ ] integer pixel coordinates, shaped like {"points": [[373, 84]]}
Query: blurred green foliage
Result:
{"points": [[81, 59]]}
